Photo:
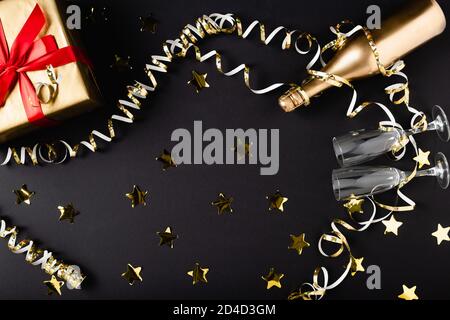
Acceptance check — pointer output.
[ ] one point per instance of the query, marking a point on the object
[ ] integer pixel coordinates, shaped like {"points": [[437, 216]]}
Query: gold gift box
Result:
{"points": [[77, 90]]}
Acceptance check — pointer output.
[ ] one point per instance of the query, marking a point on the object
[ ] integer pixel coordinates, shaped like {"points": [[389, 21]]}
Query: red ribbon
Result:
{"points": [[31, 54]]}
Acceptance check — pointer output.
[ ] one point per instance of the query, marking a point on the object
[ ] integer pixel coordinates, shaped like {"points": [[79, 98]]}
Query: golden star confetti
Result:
{"points": [[441, 234], [242, 149], [277, 201], [132, 274], [198, 274], [422, 158], [354, 206], [273, 279], [137, 197], [409, 294], [148, 24], [166, 159], [298, 243], [24, 195], [121, 64], [67, 213], [392, 225], [356, 265], [167, 237], [223, 204], [198, 81], [54, 286]]}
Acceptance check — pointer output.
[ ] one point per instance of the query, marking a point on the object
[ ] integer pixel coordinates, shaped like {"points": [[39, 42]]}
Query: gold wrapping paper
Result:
{"points": [[77, 91]]}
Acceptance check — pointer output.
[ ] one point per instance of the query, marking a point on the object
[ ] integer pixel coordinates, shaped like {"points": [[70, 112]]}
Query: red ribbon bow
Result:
{"points": [[31, 54]]}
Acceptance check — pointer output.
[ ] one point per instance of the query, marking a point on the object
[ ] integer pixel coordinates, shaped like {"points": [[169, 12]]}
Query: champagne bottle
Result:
{"points": [[415, 24]]}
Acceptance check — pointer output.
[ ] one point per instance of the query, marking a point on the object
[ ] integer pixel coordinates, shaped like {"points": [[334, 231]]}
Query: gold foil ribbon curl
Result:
{"points": [[48, 96], [337, 237], [71, 274]]}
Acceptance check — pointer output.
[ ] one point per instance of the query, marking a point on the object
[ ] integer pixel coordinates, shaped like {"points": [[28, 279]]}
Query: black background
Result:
{"points": [[241, 247]]}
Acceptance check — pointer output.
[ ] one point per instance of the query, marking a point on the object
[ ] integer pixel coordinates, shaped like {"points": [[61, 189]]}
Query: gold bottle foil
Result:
{"points": [[77, 91], [415, 24]]}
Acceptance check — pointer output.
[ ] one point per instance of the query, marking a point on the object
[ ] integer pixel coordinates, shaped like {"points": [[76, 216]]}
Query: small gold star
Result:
{"points": [[223, 204], [441, 234], [121, 63], [148, 24], [242, 149], [137, 197], [67, 213], [277, 201], [354, 206], [167, 237], [273, 279], [422, 158], [167, 160], [199, 81], [132, 274], [392, 225], [24, 195], [198, 274], [54, 286], [356, 265], [409, 293], [298, 243]]}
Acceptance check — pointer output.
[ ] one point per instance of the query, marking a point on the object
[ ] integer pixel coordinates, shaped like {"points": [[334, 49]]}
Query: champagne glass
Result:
{"points": [[358, 182], [362, 146]]}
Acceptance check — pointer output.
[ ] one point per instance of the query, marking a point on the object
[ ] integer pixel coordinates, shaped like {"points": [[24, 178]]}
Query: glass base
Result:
{"points": [[443, 170], [444, 130]]}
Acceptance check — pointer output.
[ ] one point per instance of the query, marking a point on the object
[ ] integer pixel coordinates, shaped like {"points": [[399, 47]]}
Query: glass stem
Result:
{"points": [[433, 172], [435, 125]]}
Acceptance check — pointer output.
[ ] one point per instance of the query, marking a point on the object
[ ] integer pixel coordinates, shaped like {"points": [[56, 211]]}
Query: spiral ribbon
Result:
{"points": [[71, 274], [51, 88]]}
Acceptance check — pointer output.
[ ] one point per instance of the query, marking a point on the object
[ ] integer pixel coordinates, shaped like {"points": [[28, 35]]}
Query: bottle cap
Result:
{"points": [[294, 98]]}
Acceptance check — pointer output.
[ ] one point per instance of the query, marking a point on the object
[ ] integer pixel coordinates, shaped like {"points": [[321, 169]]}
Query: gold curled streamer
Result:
{"points": [[337, 81], [71, 274], [337, 237], [51, 87], [341, 37], [179, 48]]}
